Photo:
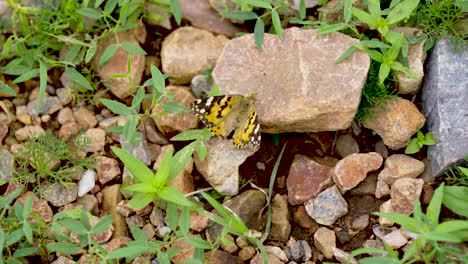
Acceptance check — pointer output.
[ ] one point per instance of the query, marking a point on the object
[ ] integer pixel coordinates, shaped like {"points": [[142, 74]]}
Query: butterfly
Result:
{"points": [[230, 116]]}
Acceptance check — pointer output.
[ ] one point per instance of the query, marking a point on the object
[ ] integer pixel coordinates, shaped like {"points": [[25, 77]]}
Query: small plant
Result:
{"points": [[246, 12], [373, 93], [77, 221], [458, 175], [439, 18], [17, 231], [48, 158], [433, 237], [418, 142]]}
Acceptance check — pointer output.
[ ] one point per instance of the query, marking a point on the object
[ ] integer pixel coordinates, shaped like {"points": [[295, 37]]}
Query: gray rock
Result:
{"points": [[444, 97], [141, 151], [220, 168], [49, 105], [346, 145], [327, 207], [59, 194], [7, 164], [295, 93], [280, 225], [299, 251], [200, 85]]}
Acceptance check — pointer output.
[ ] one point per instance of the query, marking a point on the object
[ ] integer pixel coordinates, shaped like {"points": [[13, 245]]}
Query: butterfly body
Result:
{"points": [[230, 116]]}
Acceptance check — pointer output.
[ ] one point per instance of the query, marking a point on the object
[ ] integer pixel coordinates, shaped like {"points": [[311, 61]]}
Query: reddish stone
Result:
{"points": [[308, 177]]}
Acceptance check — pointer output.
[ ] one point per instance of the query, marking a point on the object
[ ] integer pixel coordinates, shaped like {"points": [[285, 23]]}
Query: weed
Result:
{"points": [[418, 142], [433, 237], [46, 158], [373, 93], [458, 175], [439, 18]]}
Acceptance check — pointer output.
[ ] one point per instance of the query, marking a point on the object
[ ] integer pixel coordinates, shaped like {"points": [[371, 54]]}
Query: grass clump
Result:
{"points": [[373, 93], [439, 18], [50, 159]]}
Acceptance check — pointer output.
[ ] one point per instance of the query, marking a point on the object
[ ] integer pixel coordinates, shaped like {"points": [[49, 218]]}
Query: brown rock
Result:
{"points": [[97, 139], [107, 169], [416, 58], [400, 166], [368, 186], [386, 207], [374, 243], [360, 222], [39, 207], [111, 197], [117, 243], [198, 222], [229, 247], [272, 259], [247, 253], [69, 129], [201, 15], [63, 260], [175, 122], [346, 145], [221, 257], [343, 256], [311, 98], [427, 193], [186, 251], [395, 239], [3, 129], [280, 225], [396, 122], [325, 241], [65, 115], [304, 220], [28, 132], [404, 193], [188, 51], [121, 86], [85, 118], [382, 189], [308, 177], [353, 169]]}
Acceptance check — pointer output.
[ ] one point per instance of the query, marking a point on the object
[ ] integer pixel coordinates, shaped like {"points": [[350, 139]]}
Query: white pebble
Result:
{"points": [[86, 183]]}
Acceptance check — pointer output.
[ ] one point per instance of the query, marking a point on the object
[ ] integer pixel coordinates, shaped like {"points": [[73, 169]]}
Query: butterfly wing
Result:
{"points": [[215, 112], [248, 131]]}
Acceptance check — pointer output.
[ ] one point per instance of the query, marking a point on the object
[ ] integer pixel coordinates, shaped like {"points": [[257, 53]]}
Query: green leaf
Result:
{"points": [[456, 199], [180, 160], [443, 236], [6, 200], [260, 4], [163, 258], [239, 15], [27, 230], [401, 11], [117, 107], [277, 23], [174, 107], [158, 79], [452, 226], [348, 4], [74, 226], [361, 251], [140, 200], [141, 187], [78, 78], [201, 150], [63, 247], [193, 134], [107, 54], [408, 222], [259, 33], [380, 260], [176, 11], [26, 76], [429, 139], [134, 165], [90, 54], [102, 225], [23, 252], [433, 209], [184, 221], [346, 54], [42, 84], [171, 215], [6, 89], [412, 147], [162, 173], [132, 48], [89, 12], [198, 242], [384, 71], [374, 8], [2, 239], [171, 194], [14, 237], [137, 233], [374, 43], [331, 28], [302, 9], [365, 17]]}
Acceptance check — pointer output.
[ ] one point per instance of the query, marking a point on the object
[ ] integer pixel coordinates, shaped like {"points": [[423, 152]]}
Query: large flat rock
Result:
{"points": [[445, 97]]}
